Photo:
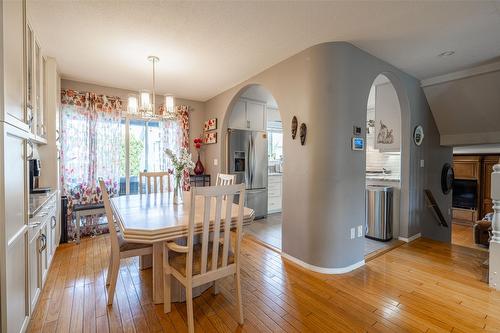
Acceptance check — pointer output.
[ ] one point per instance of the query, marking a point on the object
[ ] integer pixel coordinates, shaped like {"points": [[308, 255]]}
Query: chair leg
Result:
{"points": [[238, 295], [114, 277], [110, 268], [216, 288], [189, 305]]}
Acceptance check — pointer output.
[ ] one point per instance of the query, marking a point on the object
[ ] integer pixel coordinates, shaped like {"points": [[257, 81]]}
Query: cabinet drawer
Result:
{"points": [[464, 214], [274, 180], [274, 204], [274, 192]]}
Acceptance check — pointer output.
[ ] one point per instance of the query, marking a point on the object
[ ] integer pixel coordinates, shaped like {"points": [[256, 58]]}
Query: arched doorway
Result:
{"points": [[383, 165], [254, 153]]}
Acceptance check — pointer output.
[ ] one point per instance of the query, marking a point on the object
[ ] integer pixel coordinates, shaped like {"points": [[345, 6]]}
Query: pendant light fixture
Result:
{"points": [[146, 106]]}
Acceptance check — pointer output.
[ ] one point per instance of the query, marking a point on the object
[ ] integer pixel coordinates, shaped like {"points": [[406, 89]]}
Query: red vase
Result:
{"points": [[198, 168]]}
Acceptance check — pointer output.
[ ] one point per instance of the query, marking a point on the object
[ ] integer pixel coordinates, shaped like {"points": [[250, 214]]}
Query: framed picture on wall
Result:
{"points": [[210, 137], [210, 124]]}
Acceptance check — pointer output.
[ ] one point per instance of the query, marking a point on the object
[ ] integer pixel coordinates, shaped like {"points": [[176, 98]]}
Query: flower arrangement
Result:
{"points": [[197, 143], [180, 163]]}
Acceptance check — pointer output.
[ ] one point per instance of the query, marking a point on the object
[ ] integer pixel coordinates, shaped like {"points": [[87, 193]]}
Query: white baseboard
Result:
{"points": [[341, 270], [410, 239]]}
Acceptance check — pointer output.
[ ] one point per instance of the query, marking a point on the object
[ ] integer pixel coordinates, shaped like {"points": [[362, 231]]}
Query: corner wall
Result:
{"points": [[327, 87]]}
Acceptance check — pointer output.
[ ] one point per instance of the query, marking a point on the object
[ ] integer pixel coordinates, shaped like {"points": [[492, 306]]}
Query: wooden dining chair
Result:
{"points": [[157, 179], [197, 264], [225, 179], [120, 248]]}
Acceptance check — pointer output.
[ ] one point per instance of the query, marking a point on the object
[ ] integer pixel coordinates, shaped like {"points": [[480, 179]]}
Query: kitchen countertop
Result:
{"points": [[385, 178], [38, 200]]}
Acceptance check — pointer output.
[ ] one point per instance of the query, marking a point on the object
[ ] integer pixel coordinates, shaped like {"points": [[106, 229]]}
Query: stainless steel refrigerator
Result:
{"points": [[247, 159]]}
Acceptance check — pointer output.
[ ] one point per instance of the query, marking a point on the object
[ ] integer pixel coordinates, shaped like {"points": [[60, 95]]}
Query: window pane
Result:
{"points": [[137, 160]]}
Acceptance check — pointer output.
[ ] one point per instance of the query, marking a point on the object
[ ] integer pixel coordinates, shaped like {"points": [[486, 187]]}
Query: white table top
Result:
{"points": [[149, 218]]}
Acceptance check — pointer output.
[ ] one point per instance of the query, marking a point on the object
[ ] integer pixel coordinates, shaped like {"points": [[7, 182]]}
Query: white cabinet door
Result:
{"points": [[52, 236], [238, 118], [43, 253], [13, 40], [34, 281], [17, 310], [256, 116]]}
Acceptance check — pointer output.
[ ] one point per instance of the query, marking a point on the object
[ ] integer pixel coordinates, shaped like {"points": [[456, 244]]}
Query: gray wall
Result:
{"points": [[196, 115], [327, 87]]}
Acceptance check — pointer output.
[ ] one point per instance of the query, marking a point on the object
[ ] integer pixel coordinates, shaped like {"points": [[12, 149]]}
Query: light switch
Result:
{"points": [[353, 233], [216, 161], [360, 231], [421, 163]]}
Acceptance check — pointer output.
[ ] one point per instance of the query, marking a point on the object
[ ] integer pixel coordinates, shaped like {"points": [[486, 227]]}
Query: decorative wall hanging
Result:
{"points": [[418, 135], [210, 124], [295, 125], [447, 178], [387, 124], [210, 137], [303, 133]]}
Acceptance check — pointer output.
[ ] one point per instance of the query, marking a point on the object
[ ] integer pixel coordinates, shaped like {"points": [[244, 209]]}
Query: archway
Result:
{"points": [[384, 147], [253, 151]]}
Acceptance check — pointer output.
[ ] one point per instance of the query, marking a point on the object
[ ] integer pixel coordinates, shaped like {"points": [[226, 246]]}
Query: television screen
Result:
{"points": [[464, 193]]}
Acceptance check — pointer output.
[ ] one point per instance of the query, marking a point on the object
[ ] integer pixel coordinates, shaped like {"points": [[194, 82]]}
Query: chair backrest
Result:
{"points": [[225, 179], [115, 247], [216, 218], [157, 178]]}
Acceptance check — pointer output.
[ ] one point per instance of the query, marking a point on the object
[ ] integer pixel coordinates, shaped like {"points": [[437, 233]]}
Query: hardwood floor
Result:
{"points": [[463, 235], [423, 286]]}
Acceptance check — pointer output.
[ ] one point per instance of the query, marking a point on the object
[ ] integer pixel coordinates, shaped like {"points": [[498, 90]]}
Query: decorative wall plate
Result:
{"points": [[303, 133], [295, 125], [418, 135], [447, 178]]}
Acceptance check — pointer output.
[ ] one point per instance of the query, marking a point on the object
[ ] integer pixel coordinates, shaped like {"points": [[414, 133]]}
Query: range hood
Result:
{"points": [[466, 105]]}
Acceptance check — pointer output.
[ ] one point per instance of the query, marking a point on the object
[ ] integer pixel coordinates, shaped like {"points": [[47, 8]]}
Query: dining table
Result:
{"points": [[154, 219]]}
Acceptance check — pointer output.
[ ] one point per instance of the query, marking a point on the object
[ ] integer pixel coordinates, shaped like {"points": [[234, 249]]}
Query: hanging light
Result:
{"points": [[147, 100], [169, 104], [132, 105]]}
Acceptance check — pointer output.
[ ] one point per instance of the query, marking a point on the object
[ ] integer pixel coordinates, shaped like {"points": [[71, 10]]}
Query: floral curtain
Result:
{"points": [[182, 112], [90, 149]]}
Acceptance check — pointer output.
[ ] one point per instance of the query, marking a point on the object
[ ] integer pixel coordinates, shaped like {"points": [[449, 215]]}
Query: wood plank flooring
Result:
{"points": [[423, 286]]}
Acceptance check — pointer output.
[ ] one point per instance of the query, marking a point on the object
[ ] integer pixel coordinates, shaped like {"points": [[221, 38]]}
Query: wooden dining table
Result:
{"points": [[154, 218]]}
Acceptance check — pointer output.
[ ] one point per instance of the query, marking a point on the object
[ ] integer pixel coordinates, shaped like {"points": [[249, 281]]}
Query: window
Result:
{"points": [[142, 149], [275, 145]]}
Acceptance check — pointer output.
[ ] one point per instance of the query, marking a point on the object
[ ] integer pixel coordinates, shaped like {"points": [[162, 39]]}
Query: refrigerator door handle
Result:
{"points": [[247, 166]]}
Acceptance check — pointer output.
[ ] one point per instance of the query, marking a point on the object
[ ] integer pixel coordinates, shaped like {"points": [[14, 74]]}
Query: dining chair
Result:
{"points": [[156, 178], [120, 248], [198, 264], [225, 179]]}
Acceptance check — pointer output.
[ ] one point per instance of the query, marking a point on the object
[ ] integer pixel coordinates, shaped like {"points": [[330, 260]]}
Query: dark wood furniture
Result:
{"points": [[199, 180], [479, 168]]}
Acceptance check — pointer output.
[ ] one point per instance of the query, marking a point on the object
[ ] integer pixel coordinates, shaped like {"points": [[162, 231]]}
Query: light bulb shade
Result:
{"points": [[133, 105], [145, 101], [169, 103]]}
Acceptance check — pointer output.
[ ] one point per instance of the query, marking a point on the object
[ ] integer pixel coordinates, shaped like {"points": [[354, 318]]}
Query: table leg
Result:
{"points": [[77, 225], [158, 273], [145, 261]]}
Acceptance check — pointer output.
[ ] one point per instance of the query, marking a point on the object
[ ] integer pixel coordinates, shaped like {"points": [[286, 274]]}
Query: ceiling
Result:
{"points": [[208, 47]]}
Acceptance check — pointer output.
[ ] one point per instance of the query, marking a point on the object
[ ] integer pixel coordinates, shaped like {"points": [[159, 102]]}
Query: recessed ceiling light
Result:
{"points": [[446, 54]]}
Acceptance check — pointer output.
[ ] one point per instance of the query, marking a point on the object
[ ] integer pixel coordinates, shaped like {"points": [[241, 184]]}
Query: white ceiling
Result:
{"points": [[208, 47]]}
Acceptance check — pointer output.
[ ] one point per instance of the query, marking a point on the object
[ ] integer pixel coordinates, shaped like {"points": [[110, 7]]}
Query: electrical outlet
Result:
{"points": [[216, 162], [353, 233], [449, 211], [421, 163], [360, 231]]}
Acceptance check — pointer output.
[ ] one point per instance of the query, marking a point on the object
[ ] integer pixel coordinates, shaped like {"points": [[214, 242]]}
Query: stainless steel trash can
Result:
{"points": [[379, 212]]}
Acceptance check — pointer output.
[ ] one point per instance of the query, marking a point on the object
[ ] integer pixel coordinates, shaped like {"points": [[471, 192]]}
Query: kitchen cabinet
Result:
{"points": [[14, 304], [13, 22], [274, 193], [248, 114]]}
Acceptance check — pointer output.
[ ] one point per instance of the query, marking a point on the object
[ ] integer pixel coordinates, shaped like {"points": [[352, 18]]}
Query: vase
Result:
{"points": [[178, 193], [198, 168]]}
